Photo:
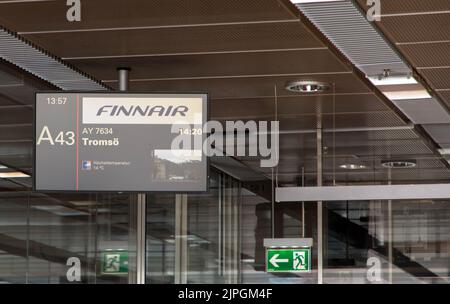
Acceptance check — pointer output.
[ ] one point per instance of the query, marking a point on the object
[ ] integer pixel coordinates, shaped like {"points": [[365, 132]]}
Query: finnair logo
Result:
{"points": [[142, 110], [115, 110]]}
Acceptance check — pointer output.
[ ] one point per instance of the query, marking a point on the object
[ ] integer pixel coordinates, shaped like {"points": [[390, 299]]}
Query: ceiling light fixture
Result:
{"points": [[13, 174], [392, 80], [444, 151], [352, 166], [312, 1], [398, 164], [307, 86]]}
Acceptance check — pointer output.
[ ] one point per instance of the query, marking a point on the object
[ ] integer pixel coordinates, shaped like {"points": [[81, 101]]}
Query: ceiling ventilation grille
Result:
{"points": [[346, 26], [23, 54]]}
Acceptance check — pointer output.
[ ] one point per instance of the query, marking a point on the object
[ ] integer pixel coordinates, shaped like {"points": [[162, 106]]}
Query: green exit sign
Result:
{"points": [[115, 262], [288, 259]]}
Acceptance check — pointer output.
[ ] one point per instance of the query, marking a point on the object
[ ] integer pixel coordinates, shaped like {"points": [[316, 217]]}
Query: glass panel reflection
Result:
{"points": [[387, 242]]}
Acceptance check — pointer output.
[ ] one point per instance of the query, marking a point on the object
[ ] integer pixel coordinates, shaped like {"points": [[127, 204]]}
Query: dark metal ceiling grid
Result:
{"points": [[440, 78], [341, 121], [407, 29], [434, 54], [38, 62], [256, 46], [387, 149], [402, 149], [16, 132], [201, 39], [289, 122], [363, 147], [50, 15], [15, 115], [21, 90], [295, 105], [247, 86], [429, 163], [373, 135], [398, 148], [440, 133], [421, 31], [218, 65], [9, 79], [347, 28], [410, 7], [370, 119], [445, 95]]}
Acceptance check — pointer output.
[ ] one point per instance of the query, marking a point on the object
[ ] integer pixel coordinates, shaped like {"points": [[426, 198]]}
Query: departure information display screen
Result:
{"points": [[120, 142]]}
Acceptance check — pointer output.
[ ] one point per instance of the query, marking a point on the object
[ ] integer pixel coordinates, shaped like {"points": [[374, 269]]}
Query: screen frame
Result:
{"points": [[33, 171]]}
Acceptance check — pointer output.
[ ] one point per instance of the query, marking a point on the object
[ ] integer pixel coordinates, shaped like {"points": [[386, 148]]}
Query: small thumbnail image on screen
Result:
{"points": [[177, 165]]}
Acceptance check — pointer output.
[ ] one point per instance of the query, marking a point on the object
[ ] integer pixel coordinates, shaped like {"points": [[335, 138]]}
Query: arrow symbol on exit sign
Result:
{"points": [[274, 260]]}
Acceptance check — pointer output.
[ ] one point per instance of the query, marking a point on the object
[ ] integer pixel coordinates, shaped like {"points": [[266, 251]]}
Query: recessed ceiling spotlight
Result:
{"points": [[307, 86], [397, 164], [352, 166]]}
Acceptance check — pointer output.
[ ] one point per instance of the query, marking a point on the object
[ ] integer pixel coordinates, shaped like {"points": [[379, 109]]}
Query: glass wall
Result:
{"points": [[387, 242], [365, 242], [64, 239], [195, 238], [160, 240], [222, 238]]}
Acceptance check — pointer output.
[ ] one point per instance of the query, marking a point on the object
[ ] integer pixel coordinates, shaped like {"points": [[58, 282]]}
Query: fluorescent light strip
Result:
{"points": [[404, 95], [444, 151], [13, 174], [313, 1]]}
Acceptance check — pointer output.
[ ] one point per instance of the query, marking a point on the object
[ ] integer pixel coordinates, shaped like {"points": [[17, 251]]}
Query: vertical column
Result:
{"points": [[137, 212], [220, 229], [235, 226], [319, 203], [229, 234], [390, 234], [238, 232], [140, 238], [303, 204], [181, 253], [229, 231]]}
